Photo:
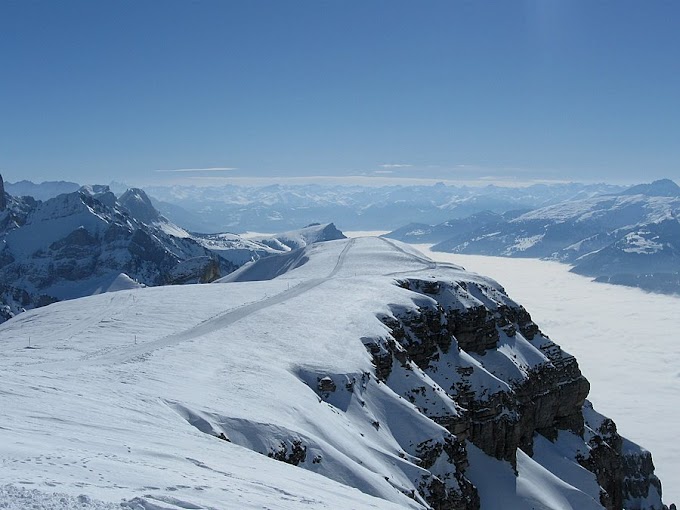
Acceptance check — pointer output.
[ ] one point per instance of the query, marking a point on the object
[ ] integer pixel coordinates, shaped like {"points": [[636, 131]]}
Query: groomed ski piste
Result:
{"points": [[171, 397]]}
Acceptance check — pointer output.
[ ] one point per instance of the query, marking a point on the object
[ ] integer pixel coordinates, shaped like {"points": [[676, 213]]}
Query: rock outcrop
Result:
{"points": [[500, 403], [3, 200]]}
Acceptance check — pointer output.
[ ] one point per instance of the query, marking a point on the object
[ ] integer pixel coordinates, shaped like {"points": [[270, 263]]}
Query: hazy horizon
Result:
{"points": [[349, 180]]}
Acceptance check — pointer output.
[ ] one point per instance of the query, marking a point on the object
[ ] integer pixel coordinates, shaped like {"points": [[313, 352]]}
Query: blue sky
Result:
{"points": [[445, 90]]}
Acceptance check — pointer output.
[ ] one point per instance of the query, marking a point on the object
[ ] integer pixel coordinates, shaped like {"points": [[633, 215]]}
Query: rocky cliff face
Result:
{"points": [[3, 200], [498, 403]]}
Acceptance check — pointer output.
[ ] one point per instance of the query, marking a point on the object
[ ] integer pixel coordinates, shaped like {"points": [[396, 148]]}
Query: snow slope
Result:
{"points": [[167, 397]]}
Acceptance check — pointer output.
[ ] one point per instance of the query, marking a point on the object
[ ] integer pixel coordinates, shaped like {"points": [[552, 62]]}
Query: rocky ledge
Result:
{"points": [[508, 383]]}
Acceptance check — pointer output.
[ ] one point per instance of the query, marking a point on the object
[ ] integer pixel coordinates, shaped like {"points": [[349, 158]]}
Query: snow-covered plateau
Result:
{"points": [[355, 373]]}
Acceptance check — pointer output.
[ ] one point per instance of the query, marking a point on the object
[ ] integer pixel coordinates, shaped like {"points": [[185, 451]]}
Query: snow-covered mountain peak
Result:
{"points": [[294, 239], [85, 241], [137, 203], [101, 193], [659, 188], [603, 235]]}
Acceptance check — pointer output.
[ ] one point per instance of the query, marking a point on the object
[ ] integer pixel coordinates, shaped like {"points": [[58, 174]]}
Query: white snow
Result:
{"points": [[95, 400], [536, 487], [123, 396], [171, 229], [635, 242], [522, 244], [625, 340]]}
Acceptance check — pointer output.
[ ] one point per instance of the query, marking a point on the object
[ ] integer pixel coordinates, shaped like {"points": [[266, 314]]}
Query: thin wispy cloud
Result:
{"points": [[372, 180], [383, 172], [395, 165], [209, 169]]}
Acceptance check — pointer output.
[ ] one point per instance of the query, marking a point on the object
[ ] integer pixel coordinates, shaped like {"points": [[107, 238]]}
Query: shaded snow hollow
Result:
{"points": [[167, 397]]}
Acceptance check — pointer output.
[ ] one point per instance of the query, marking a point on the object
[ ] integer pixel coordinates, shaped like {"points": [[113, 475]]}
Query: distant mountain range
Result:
{"points": [[276, 208], [280, 207], [620, 235], [89, 241], [630, 238], [40, 191]]}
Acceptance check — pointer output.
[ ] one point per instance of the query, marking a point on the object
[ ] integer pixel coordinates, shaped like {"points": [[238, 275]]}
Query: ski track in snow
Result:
{"points": [[220, 321], [429, 264]]}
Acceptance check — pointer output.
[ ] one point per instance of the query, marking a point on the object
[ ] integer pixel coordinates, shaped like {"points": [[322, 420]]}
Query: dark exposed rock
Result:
{"points": [[435, 491], [326, 385], [639, 478], [624, 471], [195, 270], [474, 329], [294, 454], [545, 398], [3, 200], [382, 351]]}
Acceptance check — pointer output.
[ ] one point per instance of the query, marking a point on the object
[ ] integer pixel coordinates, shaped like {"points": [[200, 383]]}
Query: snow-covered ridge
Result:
{"points": [[364, 375], [241, 249]]}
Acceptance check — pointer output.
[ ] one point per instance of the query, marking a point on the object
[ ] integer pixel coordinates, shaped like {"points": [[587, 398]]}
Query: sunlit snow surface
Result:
{"points": [[627, 343], [121, 396]]}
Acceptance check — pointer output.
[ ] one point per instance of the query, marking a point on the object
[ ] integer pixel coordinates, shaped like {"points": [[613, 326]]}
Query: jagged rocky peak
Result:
{"points": [[659, 188], [138, 204], [101, 193], [3, 200], [80, 243]]}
